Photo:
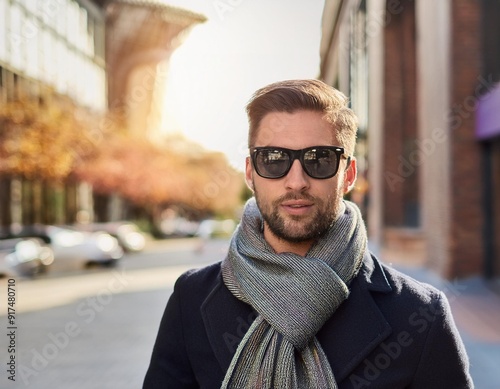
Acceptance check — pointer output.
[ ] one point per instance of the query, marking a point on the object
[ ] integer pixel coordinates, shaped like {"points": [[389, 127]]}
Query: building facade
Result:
{"points": [[52, 44], [50, 50], [101, 56], [419, 72]]}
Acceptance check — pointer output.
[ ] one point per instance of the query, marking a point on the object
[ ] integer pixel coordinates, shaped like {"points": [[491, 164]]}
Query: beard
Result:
{"points": [[297, 229]]}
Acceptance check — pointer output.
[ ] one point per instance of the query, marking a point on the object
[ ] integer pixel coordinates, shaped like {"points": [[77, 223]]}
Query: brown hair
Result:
{"points": [[311, 95]]}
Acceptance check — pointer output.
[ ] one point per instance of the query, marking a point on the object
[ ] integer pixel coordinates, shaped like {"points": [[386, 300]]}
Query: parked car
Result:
{"points": [[128, 234], [74, 249], [211, 228], [178, 227], [24, 257]]}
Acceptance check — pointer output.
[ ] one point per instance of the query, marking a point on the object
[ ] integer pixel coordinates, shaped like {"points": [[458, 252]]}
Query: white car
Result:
{"points": [[128, 234], [211, 228], [24, 257], [75, 249]]}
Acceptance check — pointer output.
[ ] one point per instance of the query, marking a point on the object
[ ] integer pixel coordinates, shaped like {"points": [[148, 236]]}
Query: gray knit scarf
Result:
{"points": [[293, 296]]}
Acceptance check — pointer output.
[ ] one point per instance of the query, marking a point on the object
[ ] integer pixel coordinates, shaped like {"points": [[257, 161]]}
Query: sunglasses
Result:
{"points": [[318, 162]]}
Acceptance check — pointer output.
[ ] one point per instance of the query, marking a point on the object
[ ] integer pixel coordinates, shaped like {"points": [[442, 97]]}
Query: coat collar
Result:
{"points": [[374, 275], [346, 338]]}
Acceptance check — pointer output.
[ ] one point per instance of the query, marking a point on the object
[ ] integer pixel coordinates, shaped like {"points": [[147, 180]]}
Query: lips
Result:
{"points": [[297, 203], [297, 207]]}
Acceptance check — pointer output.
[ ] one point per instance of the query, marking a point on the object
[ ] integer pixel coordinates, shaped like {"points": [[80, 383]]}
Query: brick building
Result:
{"points": [[423, 76]]}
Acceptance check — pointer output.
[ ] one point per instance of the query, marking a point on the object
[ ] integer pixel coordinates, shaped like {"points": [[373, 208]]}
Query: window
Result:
{"points": [[32, 47], [15, 39]]}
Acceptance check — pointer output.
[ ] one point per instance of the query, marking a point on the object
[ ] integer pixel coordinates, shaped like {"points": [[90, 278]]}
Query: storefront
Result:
{"points": [[488, 132]]}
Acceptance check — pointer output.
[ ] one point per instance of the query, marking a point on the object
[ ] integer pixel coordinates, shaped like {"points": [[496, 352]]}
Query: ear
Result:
{"points": [[249, 173], [350, 175]]}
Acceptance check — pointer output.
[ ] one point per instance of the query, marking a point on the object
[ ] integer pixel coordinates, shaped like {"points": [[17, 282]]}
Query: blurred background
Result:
{"points": [[122, 147]]}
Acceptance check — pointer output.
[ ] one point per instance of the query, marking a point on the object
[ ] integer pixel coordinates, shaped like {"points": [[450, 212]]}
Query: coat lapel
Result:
{"points": [[358, 326], [226, 320]]}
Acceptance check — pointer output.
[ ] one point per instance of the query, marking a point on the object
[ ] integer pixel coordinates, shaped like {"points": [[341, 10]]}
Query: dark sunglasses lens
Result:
{"points": [[320, 163], [272, 163]]}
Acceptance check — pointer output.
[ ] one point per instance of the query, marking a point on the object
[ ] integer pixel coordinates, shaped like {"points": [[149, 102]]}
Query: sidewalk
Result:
{"points": [[476, 309]]}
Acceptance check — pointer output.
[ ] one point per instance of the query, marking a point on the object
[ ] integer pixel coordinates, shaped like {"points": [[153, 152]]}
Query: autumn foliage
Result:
{"points": [[41, 140], [171, 171], [57, 143]]}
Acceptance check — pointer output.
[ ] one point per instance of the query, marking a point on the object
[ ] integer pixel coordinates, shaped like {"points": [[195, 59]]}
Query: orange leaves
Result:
{"points": [[41, 141], [54, 141], [175, 171]]}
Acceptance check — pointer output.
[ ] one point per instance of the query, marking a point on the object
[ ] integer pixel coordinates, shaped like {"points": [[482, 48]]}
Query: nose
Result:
{"points": [[297, 179]]}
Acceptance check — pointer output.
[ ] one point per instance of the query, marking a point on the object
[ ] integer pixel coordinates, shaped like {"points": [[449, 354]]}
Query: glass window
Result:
{"points": [[31, 5], [3, 30], [44, 54], [83, 31], [86, 88], [90, 37], [62, 17], [15, 38], [77, 76], [48, 58], [73, 22], [97, 91], [62, 67], [32, 47], [71, 66], [48, 11]]}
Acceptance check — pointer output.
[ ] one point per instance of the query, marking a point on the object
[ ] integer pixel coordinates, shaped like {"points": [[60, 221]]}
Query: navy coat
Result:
{"points": [[392, 332]]}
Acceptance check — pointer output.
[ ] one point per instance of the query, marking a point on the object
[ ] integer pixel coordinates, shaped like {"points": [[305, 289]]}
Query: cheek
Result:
{"points": [[259, 187], [341, 183], [267, 191], [335, 187]]}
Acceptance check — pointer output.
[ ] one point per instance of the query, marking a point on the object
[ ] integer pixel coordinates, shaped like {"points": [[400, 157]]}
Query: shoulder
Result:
{"points": [[415, 306], [203, 274], [403, 284], [199, 282], [379, 277], [400, 295], [419, 296]]}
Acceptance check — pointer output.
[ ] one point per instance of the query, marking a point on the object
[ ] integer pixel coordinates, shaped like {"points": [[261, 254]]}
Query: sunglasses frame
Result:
{"points": [[298, 154]]}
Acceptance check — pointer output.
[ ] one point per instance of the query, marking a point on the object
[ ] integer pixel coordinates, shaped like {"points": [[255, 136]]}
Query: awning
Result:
{"points": [[488, 115]]}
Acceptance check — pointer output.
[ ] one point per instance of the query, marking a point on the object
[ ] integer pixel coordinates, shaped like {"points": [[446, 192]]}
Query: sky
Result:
{"points": [[244, 45]]}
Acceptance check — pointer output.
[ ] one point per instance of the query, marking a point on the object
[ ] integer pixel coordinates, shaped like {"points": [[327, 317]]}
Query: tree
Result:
{"points": [[41, 143], [164, 174], [42, 140]]}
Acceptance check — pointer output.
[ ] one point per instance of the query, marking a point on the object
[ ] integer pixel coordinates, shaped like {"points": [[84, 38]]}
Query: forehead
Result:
{"points": [[295, 130]]}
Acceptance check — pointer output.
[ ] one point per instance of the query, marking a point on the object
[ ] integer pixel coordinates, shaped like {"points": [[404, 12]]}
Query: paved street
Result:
{"points": [[95, 329]]}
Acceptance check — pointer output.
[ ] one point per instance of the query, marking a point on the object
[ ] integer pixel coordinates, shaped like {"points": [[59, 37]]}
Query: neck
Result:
{"points": [[283, 246]]}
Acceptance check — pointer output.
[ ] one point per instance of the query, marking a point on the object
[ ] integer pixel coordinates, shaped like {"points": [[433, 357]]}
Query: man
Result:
{"points": [[299, 302]]}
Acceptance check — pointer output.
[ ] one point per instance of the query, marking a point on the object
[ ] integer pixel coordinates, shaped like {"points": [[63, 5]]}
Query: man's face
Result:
{"points": [[298, 208]]}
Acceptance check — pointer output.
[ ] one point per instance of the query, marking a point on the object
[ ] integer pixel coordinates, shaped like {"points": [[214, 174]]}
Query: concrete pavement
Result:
{"points": [[96, 330]]}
